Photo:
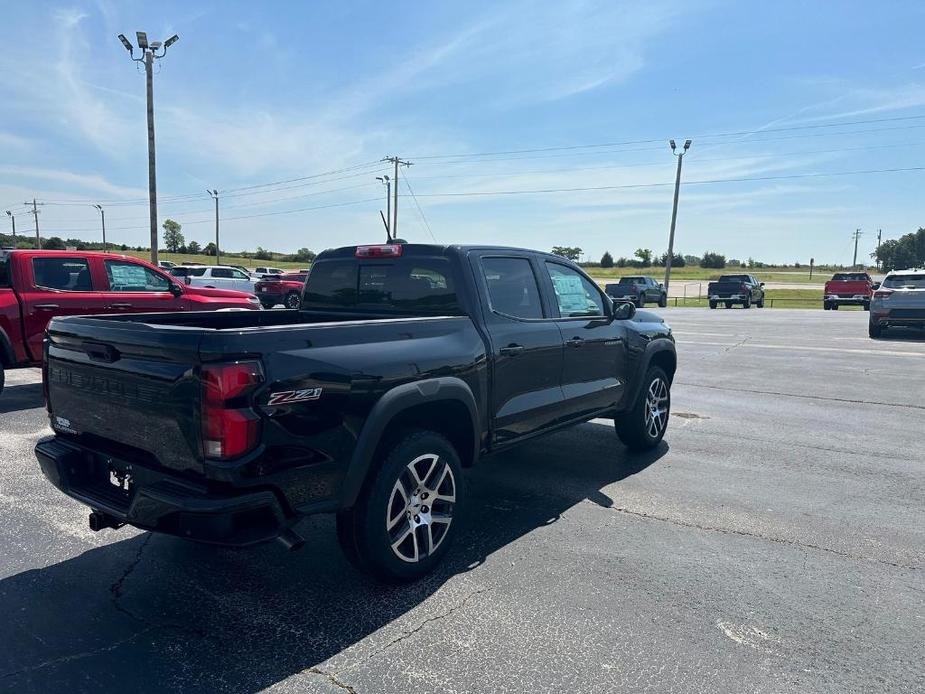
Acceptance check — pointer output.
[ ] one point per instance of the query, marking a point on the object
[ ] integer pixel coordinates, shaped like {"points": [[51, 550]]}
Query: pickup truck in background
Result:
{"points": [[406, 364], [639, 290], [35, 286], [281, 289], [736, 289], [848, 289]]}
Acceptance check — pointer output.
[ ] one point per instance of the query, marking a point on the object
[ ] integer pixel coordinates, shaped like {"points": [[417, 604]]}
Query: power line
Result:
{"points": [[659, 185], [420, 210]]}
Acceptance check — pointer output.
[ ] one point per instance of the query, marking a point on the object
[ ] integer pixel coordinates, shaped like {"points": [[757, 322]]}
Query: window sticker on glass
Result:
{"points": [[571, 294]]}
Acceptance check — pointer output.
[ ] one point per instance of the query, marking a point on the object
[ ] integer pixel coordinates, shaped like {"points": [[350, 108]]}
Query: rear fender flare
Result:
{"points": [[390, 405]]}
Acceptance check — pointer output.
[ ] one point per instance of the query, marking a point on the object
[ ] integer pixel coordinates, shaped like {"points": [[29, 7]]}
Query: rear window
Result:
{"points": [[419, 285], [67, 274], [850, 276], [187, 271], [631, 280], [734, 278], [903, 281]]}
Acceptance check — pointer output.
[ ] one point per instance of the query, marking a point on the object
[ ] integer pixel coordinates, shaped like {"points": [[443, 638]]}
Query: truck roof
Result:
{"points": [[431, 249]]}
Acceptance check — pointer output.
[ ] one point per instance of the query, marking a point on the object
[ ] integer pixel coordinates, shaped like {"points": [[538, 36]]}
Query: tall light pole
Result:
{"points": [[103, 222], [148, 55], [674, 209], [388, 202], [214, 194], [13, 220], [396, 161]]}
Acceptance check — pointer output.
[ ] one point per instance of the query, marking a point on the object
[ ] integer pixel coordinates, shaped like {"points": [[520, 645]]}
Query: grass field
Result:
{"points": [[179, 258], [771, 274]]}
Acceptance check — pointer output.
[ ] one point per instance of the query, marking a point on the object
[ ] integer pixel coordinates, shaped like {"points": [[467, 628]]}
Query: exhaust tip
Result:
{"points": [[291, 540]]}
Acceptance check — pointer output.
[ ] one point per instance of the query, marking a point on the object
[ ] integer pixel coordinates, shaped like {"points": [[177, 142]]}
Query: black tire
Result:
{"points": [[728, 304], [634, 427], [712, 304], [867, 306], [874, 329], [834, 307], [663, 300], [826, 306], [747, 303], [267, 304], [362, 530], [2, 377], [760, 303], [640, 301], [293, 300]]}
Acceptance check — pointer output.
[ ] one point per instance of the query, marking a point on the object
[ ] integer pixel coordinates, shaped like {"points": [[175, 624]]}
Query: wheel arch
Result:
{"points": [[7, 355], [444, 405]]}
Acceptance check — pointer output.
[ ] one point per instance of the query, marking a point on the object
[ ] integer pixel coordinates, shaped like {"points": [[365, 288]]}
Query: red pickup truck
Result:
{"points": [[848, 289], [35, 286], [283, 289]]}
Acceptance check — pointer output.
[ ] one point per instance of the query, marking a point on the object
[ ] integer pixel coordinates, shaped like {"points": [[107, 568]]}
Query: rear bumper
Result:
{"points": [[730, 297], [160, 501], [897, 317], [855, 300]]}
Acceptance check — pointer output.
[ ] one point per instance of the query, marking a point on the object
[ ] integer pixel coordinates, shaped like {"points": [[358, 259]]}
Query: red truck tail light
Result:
{"points": [[229, 426], [882, 293], [389, 250]]}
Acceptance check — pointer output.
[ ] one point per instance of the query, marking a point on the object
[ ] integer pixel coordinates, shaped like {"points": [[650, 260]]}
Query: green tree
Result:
{"points": [[55, 243], [303, 255], [193, 248], [173, 237], [906, 252], [645, 256], [573, 253], [262, 254], [209, 249], [677, 260], [606, 259], [713, 260]]}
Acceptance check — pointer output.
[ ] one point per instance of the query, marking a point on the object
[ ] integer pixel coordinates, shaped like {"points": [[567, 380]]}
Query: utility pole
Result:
{"points": [[388, 204], [103, 222], [13, 220], [879, 237], [674, 209], [35, 215], [218, 253], [149, 53], [857, 235], [396, 161]]}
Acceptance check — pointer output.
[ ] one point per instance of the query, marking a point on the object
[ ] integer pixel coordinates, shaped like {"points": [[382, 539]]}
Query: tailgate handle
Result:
{"points": [[100, 352]]}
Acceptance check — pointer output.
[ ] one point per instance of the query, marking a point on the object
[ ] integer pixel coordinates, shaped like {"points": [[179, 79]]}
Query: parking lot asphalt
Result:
{"points": [[775, 542]]}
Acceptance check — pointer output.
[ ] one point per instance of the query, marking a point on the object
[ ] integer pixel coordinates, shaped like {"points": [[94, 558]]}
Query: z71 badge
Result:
{"points": [[285, 397]]}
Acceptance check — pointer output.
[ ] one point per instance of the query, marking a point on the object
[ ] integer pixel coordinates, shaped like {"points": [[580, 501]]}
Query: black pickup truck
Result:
{"points": [[405, 364], [736, 289]]}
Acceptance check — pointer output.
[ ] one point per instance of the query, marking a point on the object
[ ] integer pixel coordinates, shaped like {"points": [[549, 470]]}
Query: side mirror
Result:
{"points": [[623, 310], [761, 284], [175, 289], [875, 285], [188, 279]]}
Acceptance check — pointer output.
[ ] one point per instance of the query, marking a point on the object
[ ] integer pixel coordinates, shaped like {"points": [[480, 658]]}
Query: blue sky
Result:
{"points": [[256, 93]]}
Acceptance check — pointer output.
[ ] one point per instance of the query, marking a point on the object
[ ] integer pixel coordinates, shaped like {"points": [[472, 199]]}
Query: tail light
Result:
{"points": [[230, 427], [882, 293], [744, 287], [390, 250]]}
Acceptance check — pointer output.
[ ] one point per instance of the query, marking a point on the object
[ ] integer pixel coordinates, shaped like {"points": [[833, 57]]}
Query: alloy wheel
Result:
{"points": [[656, 408], [420, 508]]}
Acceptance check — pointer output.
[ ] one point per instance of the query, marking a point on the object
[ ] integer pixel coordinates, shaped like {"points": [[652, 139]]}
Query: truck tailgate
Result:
{"points": [[119, 384]]}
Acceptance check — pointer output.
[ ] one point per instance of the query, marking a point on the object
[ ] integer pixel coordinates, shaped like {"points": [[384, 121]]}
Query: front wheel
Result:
{"points": [[293, 300], [760, 302], [663, 300], [643, 426], [747, 303], [402, 523], [641, 301], [874, 329]]}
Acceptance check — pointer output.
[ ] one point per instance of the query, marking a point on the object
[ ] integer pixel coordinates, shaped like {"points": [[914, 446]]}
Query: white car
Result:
{"points": [[898, 301], [261, 272], [216, 277]]}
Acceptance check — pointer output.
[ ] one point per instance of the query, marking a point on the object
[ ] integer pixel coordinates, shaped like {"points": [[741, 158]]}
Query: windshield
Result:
{"points": [[905, 281]]}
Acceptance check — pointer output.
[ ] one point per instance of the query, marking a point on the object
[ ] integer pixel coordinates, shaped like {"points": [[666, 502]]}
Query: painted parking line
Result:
{"points": [[793, 348]]}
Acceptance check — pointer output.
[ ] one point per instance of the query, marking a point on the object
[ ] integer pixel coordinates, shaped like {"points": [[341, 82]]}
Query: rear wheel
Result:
{"points": [[834, 307], [728, 304], [643, 425], [874, 329], [867, 306], [2, 377], [826, 306], [641, 301], [402, 523], [712, 304], [747, 303], [293, 300]]}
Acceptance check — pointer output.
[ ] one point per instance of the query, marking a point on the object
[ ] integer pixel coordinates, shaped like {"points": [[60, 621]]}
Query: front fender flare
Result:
{"points": [[395, 401]]}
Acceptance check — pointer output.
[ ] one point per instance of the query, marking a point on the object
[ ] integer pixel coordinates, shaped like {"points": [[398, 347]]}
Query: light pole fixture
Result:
{"points": [[103, 222], [214, 195], [149, 52], [13, 220], [674, 208], [387, 182]]}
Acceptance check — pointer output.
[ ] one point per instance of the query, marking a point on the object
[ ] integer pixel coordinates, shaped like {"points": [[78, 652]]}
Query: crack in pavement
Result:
{"points": [[332, 678], [799, 395], [737, 344], [115, 589], [758, 536]]}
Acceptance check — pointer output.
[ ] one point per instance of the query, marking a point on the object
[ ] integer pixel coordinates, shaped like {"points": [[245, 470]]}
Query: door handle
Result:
{"points": [[121, 305], [46, 307], [575, 342], [511, 350]]}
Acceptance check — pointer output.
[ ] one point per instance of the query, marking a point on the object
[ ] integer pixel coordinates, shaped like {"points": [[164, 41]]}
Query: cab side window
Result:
{"points": [[65, 274], [575, 294], [130, 277], [512, 288]]}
